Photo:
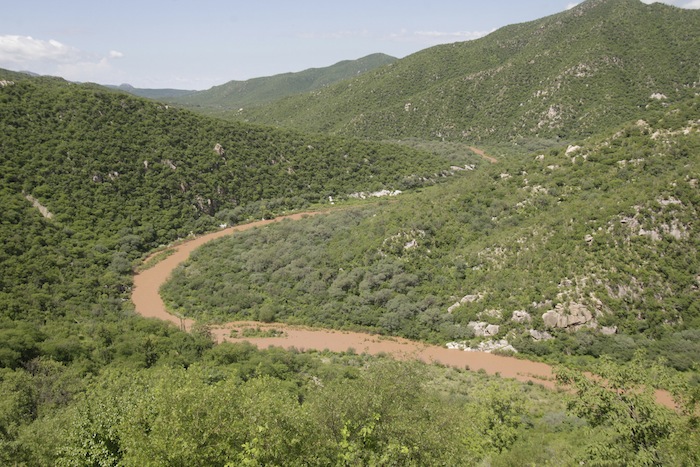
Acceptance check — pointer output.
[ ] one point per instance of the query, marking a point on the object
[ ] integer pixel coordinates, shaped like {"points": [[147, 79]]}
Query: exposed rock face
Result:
{"points": [[571, 149], [608, 330], [482, 329], [521, 316], [471, 298], [574, 316], [540, 335], [465, 299], [487, 346], [219, 149], [42, 209], [375, 194]]}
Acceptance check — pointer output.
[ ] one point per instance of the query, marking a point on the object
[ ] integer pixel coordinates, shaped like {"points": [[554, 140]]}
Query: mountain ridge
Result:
{"points": [[566, 75], [256, 91]]}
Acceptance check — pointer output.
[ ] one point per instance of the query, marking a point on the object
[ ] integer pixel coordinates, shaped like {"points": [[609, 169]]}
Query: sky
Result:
{"points": [[196, 44]]}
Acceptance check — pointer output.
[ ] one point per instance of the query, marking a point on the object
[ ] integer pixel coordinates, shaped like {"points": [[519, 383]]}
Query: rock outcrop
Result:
{"points": [[487, 346], [521, 316], [540, 335], [482, 329], [573, 316]]}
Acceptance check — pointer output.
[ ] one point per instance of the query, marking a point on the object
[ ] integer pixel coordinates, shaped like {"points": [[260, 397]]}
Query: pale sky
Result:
{"points": [[196, 44]]}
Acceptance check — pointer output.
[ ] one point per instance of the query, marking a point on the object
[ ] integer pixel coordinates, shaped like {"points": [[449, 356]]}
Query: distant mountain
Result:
{"points": [[564, 76], [237, 94], [152, 93]]}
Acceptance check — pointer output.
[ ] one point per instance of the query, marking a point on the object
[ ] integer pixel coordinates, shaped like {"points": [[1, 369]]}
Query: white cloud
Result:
{"points": [[22, 50], [571, 5], [52, 57]]}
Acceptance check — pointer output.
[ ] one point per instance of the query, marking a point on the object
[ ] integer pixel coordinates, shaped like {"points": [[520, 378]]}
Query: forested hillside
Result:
{"points": [[235, 95], [569, 75], [583, 254], [107, 165], [593, 238]]}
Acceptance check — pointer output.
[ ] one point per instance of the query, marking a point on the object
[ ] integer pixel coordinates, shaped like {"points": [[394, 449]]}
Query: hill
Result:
{"points": [[240, 94], [579, 250], [570, 254], [562, 77], [119, 163], [152, 93]]}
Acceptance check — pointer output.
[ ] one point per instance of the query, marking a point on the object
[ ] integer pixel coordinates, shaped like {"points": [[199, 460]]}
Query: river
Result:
{"points": [[149, 304]]}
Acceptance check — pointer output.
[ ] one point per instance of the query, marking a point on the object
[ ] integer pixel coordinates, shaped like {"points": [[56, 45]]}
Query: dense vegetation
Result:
{"points": [[572, 74], [91, 179], [241, 406], [235, 95], [107, 165], [606, 226]]}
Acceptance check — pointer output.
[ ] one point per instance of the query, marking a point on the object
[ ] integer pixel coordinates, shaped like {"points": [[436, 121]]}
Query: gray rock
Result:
{"points": [[470, 298], [521, 316], [540, 335], [574, 316], [482, 329]]}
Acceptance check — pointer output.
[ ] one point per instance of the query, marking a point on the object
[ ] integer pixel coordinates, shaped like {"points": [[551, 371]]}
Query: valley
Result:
{"points": [[148, 304], [286, 270]]}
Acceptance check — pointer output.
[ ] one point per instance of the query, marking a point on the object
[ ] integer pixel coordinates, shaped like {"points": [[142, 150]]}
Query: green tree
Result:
{"points": [[621, 399]]}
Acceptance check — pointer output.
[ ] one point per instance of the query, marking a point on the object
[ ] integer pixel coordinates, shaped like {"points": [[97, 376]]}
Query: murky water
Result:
{"points": [[149, 304]]}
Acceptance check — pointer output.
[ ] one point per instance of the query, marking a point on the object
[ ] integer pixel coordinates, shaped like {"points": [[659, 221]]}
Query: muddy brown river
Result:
{"points": [[149, 304]]}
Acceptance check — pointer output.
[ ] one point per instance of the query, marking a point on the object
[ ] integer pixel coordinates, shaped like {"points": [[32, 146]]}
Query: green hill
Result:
{"points": [[152, 93], [104, 162], [565, 76], [595, 244], [90, 180], [235, 95], [593, 239]]}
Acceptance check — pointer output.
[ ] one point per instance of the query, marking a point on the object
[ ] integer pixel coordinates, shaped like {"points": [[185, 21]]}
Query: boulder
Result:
{"points": [[482, 329], [573, 316], [521, 316], [487, 346], [540, 335], [470, 298]]}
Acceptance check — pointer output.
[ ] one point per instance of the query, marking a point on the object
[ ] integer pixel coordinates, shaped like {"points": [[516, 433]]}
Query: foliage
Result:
{"points": [[130, 174], [91, 179], [238, 94], [621, 400], [562, 77], [295, 410], [606, 225]]}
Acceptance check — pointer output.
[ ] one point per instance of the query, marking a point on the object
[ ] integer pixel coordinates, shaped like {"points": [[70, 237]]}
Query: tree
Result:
{"points": [[621, 399]]}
